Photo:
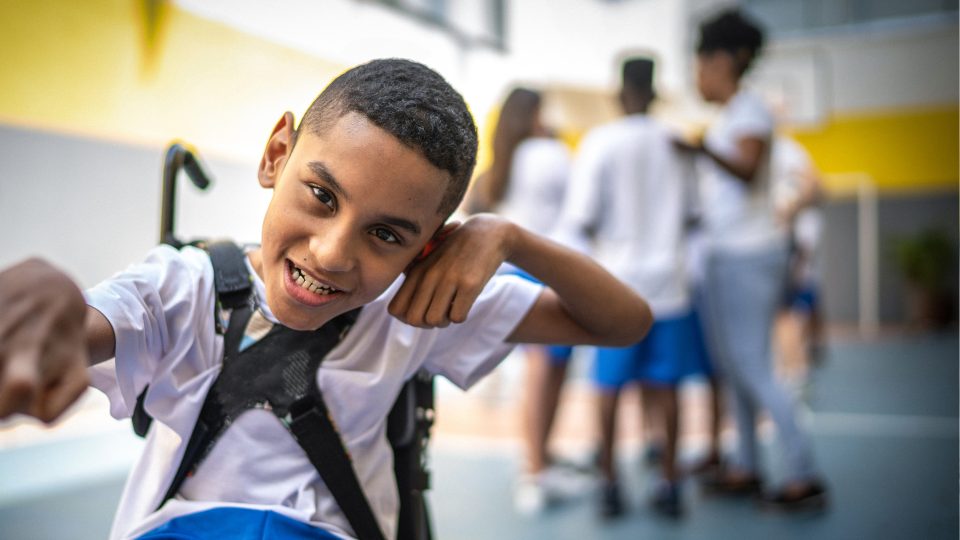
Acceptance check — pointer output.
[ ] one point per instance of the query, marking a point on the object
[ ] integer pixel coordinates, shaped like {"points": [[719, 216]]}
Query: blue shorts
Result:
{"points": [[559, 354], [697, 361], [659, 359], [236, 524], [802, 298]]}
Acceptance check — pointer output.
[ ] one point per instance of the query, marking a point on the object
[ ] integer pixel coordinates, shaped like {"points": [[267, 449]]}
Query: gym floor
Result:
{"points": [[883, 415]]}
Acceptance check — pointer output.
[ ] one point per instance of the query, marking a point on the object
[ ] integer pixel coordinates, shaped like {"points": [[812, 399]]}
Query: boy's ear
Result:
{"points": [[438, 237], [277, 152]]}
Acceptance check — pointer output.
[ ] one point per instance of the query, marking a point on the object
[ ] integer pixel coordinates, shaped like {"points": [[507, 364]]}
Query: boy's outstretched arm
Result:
{"points": [[48, 337], [582, 304]]}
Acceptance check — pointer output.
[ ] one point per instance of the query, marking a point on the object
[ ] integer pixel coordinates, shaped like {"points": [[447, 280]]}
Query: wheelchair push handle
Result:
{"points": [[178, 156]]}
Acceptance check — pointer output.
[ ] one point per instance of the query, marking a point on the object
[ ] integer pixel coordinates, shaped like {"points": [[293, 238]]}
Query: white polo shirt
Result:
{"points": [[629, 193], [161, 311]]}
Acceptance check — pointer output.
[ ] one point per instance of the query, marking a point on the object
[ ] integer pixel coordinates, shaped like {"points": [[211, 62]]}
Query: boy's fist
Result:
{"points": [[442, 287], [43, 350]]}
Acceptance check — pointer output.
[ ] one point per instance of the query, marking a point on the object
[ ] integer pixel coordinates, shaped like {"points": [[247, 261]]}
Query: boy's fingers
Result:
{"points": [[401, 301], [64, 392], [15, 314], [462, 302], [420, 302], [19, 386], [437, 314]]}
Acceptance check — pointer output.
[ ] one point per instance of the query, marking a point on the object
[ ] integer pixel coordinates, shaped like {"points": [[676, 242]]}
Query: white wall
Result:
{"points": [[885, 66], [93, 206], [569, 42], [576, 42]]}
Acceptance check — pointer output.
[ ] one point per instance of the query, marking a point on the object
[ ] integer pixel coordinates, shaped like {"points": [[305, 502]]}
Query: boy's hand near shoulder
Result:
{"points": [[582, 304], [47, 336]]}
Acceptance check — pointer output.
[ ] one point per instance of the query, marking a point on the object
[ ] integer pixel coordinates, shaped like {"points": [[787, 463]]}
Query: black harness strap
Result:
{"points": [[233, 290], [276, 373], [230, 277], [311, 426]]}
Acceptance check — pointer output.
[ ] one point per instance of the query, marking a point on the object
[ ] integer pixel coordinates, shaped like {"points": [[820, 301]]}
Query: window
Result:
{"points": [[470, 22], [798, 15]]}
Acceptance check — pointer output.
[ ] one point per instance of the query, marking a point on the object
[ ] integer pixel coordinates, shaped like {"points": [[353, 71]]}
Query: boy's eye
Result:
{"points": [[324, 196], [386, 235]]}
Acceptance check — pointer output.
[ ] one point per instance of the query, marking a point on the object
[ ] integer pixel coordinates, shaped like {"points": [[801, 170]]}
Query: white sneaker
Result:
{"points": [[565, 481], [529, 497], [534, 493]]}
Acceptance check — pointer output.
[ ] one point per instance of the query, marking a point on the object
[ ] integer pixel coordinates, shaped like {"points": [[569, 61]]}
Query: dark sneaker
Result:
{"points": [[611, 503], [725, 484], [812, 497], [667, 500]]}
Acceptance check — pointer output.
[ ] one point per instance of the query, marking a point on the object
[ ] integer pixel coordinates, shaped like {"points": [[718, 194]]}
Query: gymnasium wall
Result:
{"points": [[91, 92], [879, 100]]}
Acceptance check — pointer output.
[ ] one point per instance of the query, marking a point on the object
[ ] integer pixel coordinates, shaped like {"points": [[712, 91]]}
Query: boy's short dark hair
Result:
{"points": [[414, 104], [731, 31], [637, 74]]}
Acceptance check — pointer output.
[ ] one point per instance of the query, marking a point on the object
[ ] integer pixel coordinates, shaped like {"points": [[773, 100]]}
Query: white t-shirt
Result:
{"points": [[161, 311], [738, 216], [538, 179], [628, 194], [790, 163]]}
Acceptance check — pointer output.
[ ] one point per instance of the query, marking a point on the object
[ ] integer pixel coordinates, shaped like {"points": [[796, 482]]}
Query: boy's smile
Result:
{"points": [[307, 289], [351, 208]]}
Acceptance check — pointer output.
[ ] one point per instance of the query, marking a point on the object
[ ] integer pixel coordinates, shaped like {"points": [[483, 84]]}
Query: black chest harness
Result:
{"points": [[278, 373]]}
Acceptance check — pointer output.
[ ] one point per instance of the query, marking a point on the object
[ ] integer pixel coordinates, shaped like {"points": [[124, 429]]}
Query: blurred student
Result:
{"points": [[627, 199], [699, 362], [526, 183], [797, 193], [746, 263]]}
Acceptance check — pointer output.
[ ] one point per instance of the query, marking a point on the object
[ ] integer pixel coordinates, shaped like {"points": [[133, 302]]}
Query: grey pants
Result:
{"points": [[740, 298]]}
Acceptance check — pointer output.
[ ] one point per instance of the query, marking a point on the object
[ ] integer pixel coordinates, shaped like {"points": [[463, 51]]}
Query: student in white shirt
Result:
{"points": [[797, 192], [525, 184], [746, 263], [378, 163], [627, 205]]}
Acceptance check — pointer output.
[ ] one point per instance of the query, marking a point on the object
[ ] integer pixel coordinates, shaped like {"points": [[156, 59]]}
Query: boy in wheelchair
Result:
{"points": [[246, 353]]}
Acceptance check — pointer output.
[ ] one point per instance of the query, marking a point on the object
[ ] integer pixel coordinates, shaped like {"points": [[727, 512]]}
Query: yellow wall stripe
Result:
{"points": [[915, 149], [88, 68]]}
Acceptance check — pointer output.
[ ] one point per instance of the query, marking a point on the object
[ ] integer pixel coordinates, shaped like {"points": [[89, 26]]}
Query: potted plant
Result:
{"points": [[926, 259]]}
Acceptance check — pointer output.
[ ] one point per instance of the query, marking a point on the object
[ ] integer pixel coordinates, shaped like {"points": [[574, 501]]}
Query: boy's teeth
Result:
{"points": [[309, 284]]}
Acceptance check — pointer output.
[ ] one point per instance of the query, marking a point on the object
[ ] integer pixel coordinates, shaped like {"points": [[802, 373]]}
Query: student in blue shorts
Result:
{"points": [[627, 201], [377, 164]]}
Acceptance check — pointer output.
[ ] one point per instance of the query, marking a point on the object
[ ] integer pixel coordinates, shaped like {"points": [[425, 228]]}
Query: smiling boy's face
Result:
{"points": [[351, 208]]}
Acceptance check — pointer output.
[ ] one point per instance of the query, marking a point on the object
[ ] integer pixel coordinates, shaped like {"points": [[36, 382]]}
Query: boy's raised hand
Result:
{"points": [[442, 287], [43, 349]]}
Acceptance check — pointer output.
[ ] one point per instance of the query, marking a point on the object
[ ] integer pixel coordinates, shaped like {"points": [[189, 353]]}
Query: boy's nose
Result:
{"points": [[333, 250]]}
